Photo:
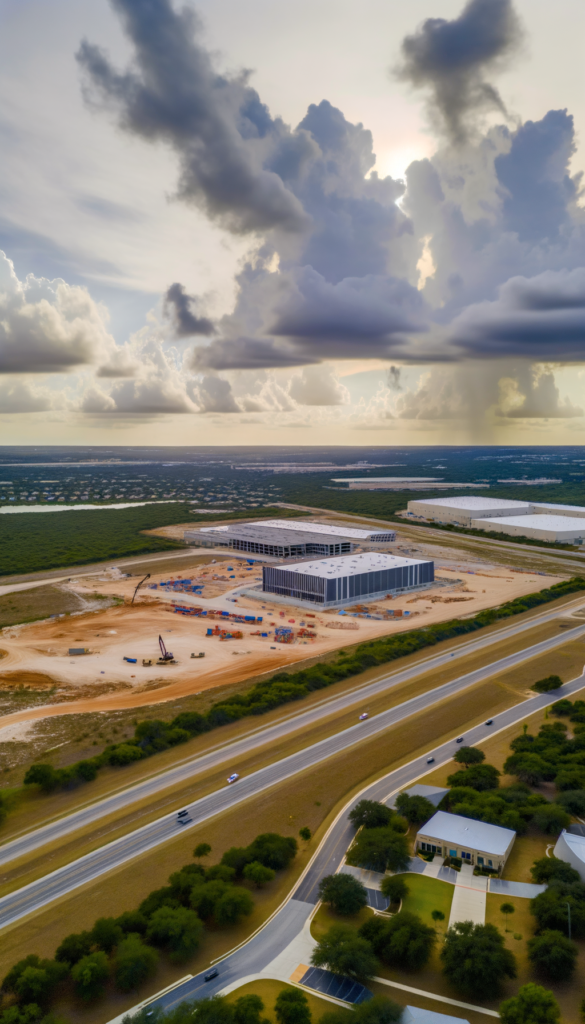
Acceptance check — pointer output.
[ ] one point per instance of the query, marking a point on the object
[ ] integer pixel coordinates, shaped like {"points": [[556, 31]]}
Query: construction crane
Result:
{"points": [[147, 577], [165, 655]]}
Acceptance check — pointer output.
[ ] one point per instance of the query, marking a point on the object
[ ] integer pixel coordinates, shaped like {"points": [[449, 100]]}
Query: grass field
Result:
{"points": [[268, 991], [426, 895]]}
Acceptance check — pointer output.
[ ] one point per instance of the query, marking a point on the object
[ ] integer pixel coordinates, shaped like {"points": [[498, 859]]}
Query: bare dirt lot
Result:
{"points": [[36, 655]]}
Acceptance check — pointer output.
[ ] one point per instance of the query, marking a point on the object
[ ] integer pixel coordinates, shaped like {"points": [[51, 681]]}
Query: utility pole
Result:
{"points": [[569, 915]]}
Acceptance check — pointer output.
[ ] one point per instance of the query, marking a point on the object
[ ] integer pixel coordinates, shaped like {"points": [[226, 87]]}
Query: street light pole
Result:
{"points": [[569, 915]]}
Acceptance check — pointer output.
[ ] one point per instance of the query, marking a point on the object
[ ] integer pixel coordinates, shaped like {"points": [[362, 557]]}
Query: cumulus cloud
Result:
{"points": [[540, 318], [17, 396], [148, 397], [317, 385], [213, 394], [452, 58], [535, 396], [178, 306], [217, 125], [244, 354], [48, 326]]}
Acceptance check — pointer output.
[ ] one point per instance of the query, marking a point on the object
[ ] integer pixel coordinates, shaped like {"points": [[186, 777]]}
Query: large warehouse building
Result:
{"points": [[460, 511], [343, 580], [539, 520], [554, 529], [287, 538]]}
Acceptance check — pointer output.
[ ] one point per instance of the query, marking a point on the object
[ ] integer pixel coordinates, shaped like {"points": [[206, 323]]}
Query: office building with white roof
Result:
{"points": [[460, 511], [474, 842], [553, 529]]}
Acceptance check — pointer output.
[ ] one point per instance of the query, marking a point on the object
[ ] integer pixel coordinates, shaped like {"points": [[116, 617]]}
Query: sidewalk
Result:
{"points": [[469, 898]]}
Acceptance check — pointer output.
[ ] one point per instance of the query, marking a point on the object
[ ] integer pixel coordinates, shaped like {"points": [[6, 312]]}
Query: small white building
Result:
{"points": [[460, 511], [554, 529], [572, 849], [475, 842]]}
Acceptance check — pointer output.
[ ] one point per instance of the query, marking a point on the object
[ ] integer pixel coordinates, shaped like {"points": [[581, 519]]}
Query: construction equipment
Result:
{"points": [[166, 658], [200, 655], [147, 577]]}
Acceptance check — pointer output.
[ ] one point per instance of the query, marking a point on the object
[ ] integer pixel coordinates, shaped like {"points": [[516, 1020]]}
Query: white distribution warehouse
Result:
{"points": [[342, 580], [554, 529], [460, 511], [288, 538]]}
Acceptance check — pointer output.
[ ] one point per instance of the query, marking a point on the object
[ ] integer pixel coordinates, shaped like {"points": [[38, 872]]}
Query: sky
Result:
{"points": [[319, 223]]}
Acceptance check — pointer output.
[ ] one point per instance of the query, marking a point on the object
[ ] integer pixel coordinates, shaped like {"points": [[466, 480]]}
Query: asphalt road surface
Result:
{"points": [[30, 841], [64, 880], [289, 921]]}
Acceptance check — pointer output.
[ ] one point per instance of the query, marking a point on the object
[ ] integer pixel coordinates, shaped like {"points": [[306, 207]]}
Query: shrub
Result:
{"points": [[551, 819], [257, 873], [573, 800], [547, 684]]}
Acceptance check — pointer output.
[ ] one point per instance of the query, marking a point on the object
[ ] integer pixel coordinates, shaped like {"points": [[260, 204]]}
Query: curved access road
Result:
{"points": [[38, 894], [262, 948], [27, 843]]}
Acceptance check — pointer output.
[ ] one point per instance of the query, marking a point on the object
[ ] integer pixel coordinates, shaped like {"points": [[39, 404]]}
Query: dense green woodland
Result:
{"points": [[32, 542]]}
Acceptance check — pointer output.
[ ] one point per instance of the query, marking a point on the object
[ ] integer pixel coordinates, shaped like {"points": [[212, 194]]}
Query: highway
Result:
{"points": [[38, 894], [28, 842], [291, 918]]}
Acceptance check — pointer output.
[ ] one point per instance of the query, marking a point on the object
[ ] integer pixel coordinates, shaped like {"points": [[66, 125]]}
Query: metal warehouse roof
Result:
{"points": [[351, 532], [576, 844], [415, 1015], [552, 506], [469, 502], [466, 832], [538, 522], [353, 565]]}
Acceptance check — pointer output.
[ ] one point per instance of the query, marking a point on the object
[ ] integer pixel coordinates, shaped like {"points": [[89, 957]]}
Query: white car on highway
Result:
{"points": [[364, 716], [234, 777]]}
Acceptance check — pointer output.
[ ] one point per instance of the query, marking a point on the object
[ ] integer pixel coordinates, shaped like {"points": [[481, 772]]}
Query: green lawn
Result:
{"points": [[428, 894]]}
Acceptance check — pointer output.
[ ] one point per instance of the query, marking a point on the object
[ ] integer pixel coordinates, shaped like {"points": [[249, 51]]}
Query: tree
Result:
{"points": [[90, 975], [237, 857], [506, 909], [305, 834], [42, 775], [214, 1010], [344, 952], [132, 921], [37, 984], [394, 889], [345, 894], [414, 808], [135, 963], [272, 850], [234, 903], [468, 756], [551, 911], [106, 934], [164, 897], [205, 895], [73, 948], [571, 776], [551, 819], [529, 768], [202, 850], [573, 800], [437, 915], [292, 1007], [479, 776], [257, 873], [552, 955], [247, 1010], [547, 868], [177, 930], [370, 814], [220, 871], [532, 1005], [377, 1010], [380, 849], [476, 960], [547, 684], [402, 941]]}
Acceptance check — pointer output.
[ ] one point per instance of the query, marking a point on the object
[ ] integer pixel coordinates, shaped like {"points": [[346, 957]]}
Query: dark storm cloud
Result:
{"points": [[214, 123], [246, 354], [452, 58], [535, 176], [177, 306], [541, 319]]}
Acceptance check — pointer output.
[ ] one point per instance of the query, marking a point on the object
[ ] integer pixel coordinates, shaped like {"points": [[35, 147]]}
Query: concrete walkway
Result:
{"points": [[469, 898]]}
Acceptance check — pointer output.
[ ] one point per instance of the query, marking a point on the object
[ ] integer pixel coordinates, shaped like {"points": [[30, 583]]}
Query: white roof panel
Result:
{"points": [[576, 844], [466, 832], [471, 502], [307, 526], [537, 522], [551, 505], [352, 565]]}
